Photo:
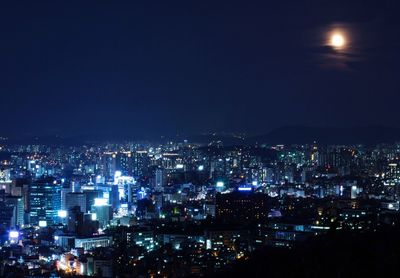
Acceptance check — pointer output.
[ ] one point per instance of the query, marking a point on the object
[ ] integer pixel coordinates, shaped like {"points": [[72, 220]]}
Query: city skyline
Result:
{"points": [[236, 138], [178, 208]]}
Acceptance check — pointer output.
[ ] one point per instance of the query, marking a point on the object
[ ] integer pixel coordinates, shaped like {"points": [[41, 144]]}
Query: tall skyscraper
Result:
{"points": [[44, 202], [159, 180], [18, 204]]}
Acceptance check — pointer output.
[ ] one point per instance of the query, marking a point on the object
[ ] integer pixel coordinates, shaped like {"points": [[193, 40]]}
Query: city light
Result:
{"points": [[245, 188], [100, 202], [220, 184], [62, 213], [13, 234], [117, 174], [202, 139], [42, 223]]}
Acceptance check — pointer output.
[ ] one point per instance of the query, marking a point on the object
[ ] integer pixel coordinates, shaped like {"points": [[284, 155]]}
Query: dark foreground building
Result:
{"points": [[242, 206]]}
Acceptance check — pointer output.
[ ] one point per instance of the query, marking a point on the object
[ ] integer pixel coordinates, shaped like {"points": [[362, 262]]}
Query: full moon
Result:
{"points": [[337, 40]]}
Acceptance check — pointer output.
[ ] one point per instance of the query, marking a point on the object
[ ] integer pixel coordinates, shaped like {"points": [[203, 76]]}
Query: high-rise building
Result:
{"points": [[18, 204], [159, 180], [64, 191], [91, 195], [392, 175], [44, 202], [102, 211], [7, 212], [140, 162], [124, 163], [75, 219], [76, 199]]}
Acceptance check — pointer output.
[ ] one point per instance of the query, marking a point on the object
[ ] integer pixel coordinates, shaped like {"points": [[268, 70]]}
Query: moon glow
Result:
{"points": [[337, 40]]}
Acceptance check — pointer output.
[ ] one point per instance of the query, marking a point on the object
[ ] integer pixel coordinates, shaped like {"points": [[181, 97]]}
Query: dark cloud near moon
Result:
{"points": [[371, 35], [348, 57]]}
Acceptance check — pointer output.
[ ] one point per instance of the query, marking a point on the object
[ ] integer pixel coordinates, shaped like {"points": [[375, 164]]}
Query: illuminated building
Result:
{"points": [[141, 161], [18, 212], [125, 185], [286, 235], [5, 176], [124, 162], [225, 237], [91, 195], [141, 238], [44, 202], [89, 243], [392, 176], [159, 180], [103, 212]]}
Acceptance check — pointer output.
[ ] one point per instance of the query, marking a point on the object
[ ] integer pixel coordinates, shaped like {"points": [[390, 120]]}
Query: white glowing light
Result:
{"points": [[117, 174], [62, 213], [42, 223], [106, 195], [245, 188], [338, 40], [100, 202], [14, 234]]}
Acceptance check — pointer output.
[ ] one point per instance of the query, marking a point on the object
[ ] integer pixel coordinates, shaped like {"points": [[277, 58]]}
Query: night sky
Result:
{"points": [[146, 68]]}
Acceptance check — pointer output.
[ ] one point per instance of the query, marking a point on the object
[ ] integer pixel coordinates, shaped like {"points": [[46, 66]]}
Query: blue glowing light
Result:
{"points": [[142, 193]]}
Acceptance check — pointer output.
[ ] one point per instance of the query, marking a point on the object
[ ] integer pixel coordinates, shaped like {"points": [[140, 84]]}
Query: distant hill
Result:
{"points": [[328, 135], [284, 135], [227, 139]]}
